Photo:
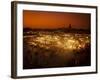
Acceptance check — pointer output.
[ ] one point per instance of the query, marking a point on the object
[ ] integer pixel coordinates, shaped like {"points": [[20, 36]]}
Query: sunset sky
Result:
{"points": [[52, 20]]}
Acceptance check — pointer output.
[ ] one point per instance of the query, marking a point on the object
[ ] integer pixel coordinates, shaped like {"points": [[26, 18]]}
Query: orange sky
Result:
{"points": [[51, 20]]}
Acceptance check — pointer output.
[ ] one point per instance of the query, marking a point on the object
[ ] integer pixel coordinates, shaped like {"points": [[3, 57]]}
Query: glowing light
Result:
{"points": [[64, 41]]}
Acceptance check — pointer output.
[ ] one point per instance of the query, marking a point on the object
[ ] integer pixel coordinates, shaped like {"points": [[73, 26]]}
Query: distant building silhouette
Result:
{"points": [[70, 26]]}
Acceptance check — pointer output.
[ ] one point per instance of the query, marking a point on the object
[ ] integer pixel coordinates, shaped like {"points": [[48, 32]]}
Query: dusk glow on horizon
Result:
{"points": [[52, 20]]}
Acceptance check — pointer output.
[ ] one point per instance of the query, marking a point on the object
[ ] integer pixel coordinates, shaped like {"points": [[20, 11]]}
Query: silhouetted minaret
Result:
{"points": [[70, 26]]}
